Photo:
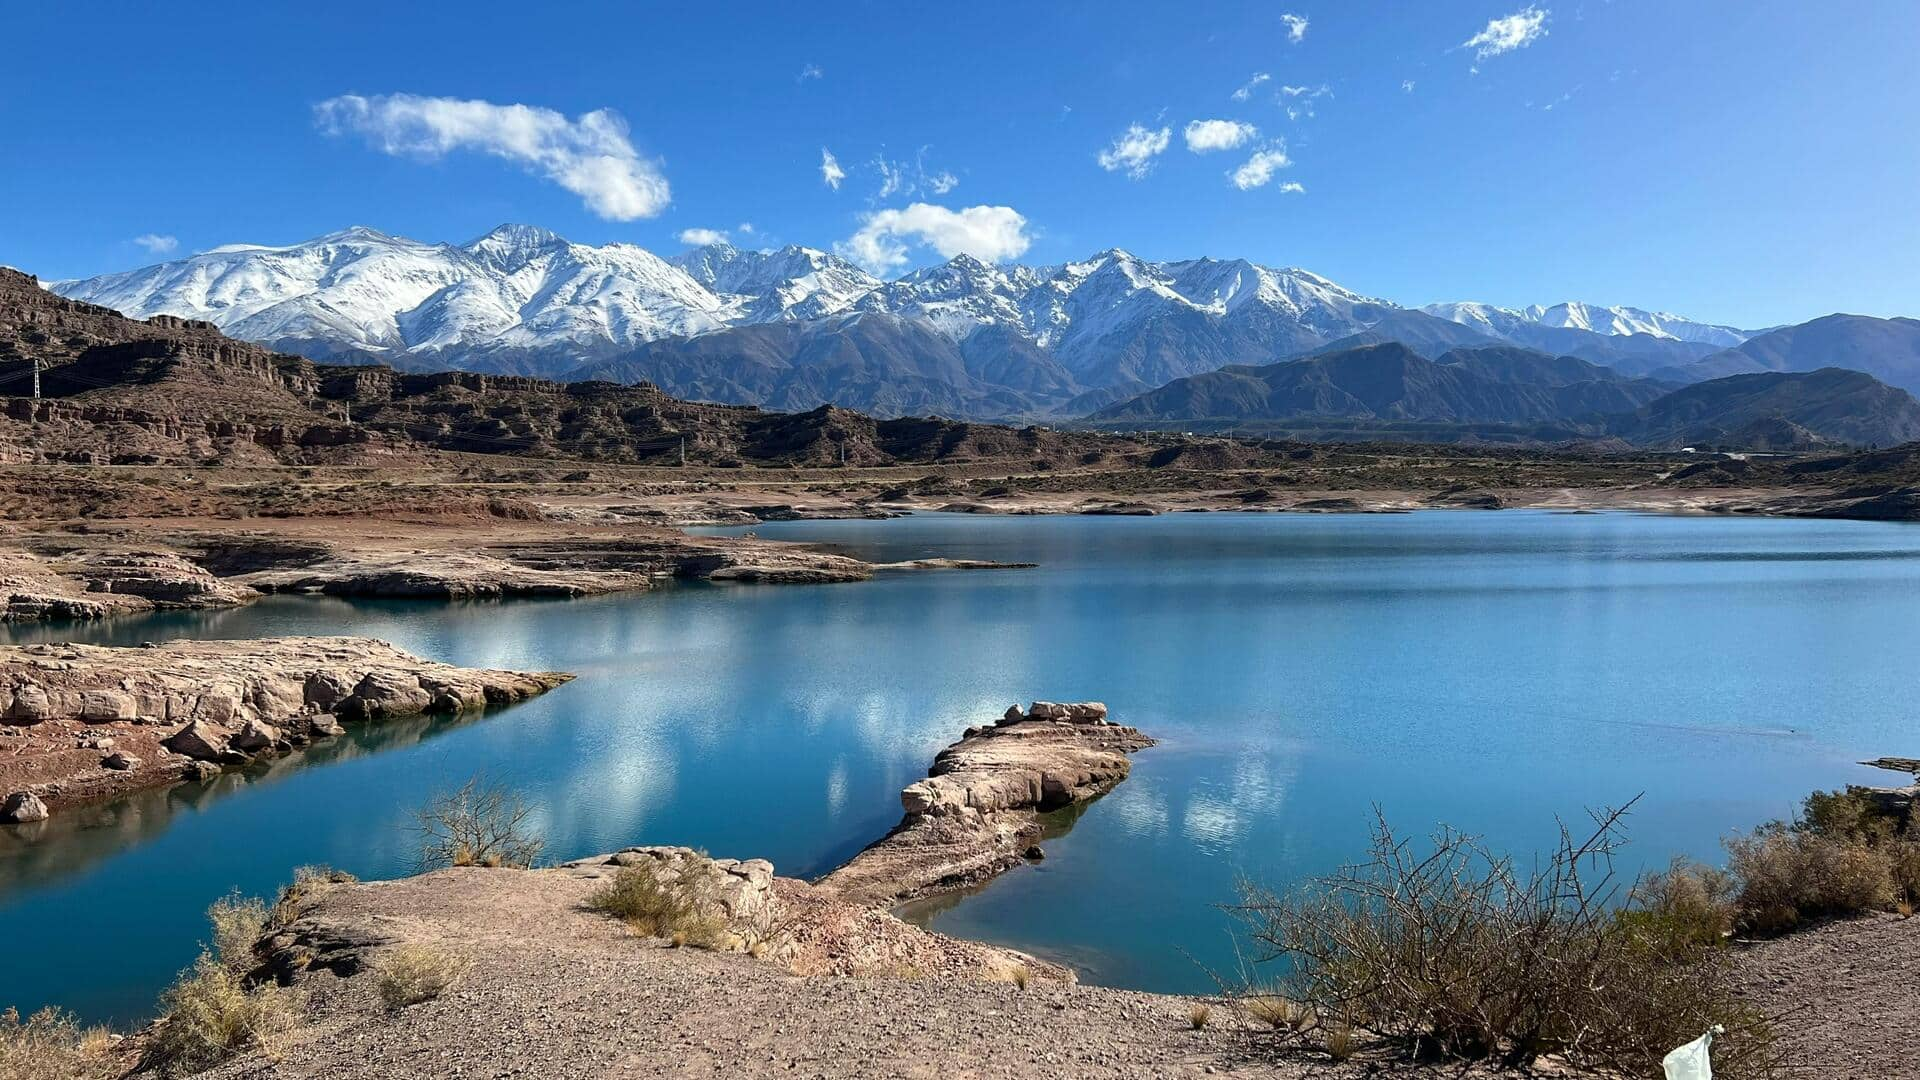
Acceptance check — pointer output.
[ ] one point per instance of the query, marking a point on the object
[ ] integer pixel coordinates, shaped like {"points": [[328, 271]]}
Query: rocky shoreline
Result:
{"points": [[83, 724]]}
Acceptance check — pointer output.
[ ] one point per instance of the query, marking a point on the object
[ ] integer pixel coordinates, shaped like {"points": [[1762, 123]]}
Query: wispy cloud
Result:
{"points": [[907, 179], [157, 243], [1296, 27], [811, 71], [1252, 84], [1509, 32], [1300, 99], [1134, 149], [1259, 169], [703, 237], [887, 237], [830, 170], [1205, 136], [1406, 86], [590, 155]]}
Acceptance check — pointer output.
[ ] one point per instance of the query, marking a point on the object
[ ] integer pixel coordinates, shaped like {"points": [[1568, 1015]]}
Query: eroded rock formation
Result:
{"points": [[81, 723], [978, 812]]}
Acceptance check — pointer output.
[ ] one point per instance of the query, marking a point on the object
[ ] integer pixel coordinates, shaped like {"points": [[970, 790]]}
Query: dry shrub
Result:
{"points": [[1198, 1016], [480, 824], [678, 909], [210, 1014], [1021, 976], [238, 923], [412, 974], [213, 1011], [51, 1045], [1846, 853], [307, 880], [1451, 951]]}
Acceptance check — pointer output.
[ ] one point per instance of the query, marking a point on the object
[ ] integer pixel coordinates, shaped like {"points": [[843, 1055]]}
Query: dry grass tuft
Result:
{"points": [[1020, 976], [51, 1045], [212, 1011], [676, 910], [1340, 1042], [412, 974], [1274, 1011], [210, 1014], [1198, 1016]]}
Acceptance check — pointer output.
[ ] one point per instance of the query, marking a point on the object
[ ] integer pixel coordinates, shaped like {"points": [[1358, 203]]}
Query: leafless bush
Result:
{"points": [[480, 824], [1451, 951]]}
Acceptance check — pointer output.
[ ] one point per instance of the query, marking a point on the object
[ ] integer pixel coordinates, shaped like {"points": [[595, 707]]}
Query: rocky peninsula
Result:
{"points": [[84, 723]]}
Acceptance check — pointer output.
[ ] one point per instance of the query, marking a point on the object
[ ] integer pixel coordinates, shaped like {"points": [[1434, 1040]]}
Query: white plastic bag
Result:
{"points": [[1693, 1061]]}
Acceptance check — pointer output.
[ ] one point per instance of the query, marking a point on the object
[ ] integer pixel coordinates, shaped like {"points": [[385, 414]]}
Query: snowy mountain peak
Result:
{"points": [[1593, 318], [523, 299]]}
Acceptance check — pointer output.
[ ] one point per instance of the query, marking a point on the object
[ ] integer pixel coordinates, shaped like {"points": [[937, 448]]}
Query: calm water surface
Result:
{"points": [[1486, 670]]}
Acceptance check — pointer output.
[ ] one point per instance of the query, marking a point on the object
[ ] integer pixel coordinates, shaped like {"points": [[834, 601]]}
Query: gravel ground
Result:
{"points": [[549, 990], [552, 991], [1848, 993]]}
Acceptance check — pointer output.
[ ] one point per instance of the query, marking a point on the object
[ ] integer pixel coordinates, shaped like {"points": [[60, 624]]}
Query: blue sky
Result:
{"points": [[1751, 163]]}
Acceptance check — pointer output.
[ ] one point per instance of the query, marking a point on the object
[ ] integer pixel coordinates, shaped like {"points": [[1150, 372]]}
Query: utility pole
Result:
{"points": [[683, 451], [36, 378]]}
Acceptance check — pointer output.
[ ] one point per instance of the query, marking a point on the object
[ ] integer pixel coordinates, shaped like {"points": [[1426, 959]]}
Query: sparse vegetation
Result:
{"points": [[1020, 976], [415, 973], [306, 881], [1847, 853], [480, 824], [678, 909], [52, 1045], [215, 1010], [1272, 1010], [1340, 1042], [1450, 951], [1199, 1015]]}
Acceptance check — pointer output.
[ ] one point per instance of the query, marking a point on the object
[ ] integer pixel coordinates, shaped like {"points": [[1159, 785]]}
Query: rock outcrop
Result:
{"points": [[92, 584], [81, 723], [978, 811]]}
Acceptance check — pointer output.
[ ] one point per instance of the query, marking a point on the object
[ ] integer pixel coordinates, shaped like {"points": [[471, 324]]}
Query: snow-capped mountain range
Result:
{"points": [[800, 326]]}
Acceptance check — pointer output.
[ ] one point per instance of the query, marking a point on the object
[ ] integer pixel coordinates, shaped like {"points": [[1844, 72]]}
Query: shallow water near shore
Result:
{"points": [[1488, 670]]}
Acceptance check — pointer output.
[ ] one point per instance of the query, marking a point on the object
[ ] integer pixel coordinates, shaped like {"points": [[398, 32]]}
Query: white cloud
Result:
{"points": [[811, 71], [1133, 150], [988, 233], [1246, 91], [1505, 34], [1208, 135], [830, 170], [746, 227], [157, 243], [1296, 27], [1292, 187], [1406, 85], [703, 237], [943, 183], [1260, 168], [590, 155]]}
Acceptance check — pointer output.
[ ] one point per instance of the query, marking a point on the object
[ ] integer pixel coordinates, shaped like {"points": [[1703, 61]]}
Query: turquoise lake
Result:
{"points": [[1485, 670]]}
